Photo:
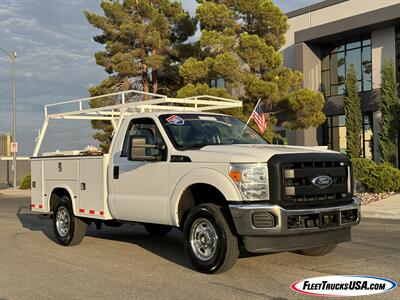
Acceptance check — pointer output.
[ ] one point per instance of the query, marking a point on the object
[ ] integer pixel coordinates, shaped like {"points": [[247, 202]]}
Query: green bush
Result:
{"points": [[376, 178], [26, 182]]}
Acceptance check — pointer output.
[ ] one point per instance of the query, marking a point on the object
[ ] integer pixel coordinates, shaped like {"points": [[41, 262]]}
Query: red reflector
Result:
{"points": [[91, 212], [101, 213], [40, 206], [81, 210], [32, 205]]}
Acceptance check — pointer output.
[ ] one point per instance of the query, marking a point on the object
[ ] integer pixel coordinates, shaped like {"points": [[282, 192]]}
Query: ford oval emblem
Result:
{"points": [[322, 182]]}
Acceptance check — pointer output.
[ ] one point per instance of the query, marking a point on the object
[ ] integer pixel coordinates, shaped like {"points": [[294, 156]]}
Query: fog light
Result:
{"points": [[263, 220]]}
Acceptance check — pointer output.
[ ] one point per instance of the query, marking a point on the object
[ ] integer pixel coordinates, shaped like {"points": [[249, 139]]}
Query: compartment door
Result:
{"points": [[37, 195], [61, 169], [91, 188]]}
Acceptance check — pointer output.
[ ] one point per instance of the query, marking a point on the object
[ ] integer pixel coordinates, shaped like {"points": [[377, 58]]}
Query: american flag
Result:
{"points": [[259, 118]]}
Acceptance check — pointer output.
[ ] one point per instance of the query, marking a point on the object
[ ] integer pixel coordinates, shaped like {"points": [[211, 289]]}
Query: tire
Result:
{"points": [[317, 251], [68, 229], [209, 241], [157, 229]]}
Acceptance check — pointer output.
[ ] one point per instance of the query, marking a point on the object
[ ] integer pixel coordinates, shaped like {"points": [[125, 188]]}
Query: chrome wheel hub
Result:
{"points": [[203, 239], [63, 221]]}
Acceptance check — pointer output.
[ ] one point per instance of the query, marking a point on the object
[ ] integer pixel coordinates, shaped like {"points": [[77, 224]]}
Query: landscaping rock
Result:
{"points": [[367, 198]]}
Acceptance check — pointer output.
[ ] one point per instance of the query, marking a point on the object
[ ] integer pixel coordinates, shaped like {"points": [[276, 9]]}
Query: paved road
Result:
{"points": [[126, 263]]}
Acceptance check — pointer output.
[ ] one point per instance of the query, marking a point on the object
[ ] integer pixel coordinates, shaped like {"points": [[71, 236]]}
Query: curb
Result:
{"points": [[379, 215], [17, 193]]}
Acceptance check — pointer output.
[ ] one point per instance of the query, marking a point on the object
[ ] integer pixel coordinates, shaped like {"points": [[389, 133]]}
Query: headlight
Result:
{"points": [[251, 179]]}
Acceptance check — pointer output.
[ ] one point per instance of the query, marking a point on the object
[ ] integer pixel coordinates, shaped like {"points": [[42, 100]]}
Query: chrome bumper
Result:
{"points": [[242, 217], [281, 238]]}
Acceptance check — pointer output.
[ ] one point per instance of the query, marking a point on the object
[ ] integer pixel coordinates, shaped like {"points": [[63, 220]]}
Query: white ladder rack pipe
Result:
{"points": [[124, 106]]}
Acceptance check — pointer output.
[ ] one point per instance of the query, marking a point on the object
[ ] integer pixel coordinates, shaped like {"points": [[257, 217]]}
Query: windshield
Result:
{"points": [[193, 130]]}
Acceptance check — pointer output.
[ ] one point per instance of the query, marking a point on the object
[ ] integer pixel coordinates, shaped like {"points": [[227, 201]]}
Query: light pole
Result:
{"points": [[13, 56]]}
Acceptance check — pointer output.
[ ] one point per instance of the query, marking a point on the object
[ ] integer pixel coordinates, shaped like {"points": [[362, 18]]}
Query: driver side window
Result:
{"points": [[146, 128]]}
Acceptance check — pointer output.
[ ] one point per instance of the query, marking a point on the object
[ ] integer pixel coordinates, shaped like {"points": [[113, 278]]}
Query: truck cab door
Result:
{"points": [[139, 189]]}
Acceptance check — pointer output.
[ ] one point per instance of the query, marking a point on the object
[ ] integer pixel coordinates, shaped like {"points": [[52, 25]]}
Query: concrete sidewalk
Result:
{"points": [[388, 208], [10, 193]]}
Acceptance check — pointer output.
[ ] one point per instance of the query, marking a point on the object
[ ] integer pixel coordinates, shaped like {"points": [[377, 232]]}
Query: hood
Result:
{"points": [[247, 153]]}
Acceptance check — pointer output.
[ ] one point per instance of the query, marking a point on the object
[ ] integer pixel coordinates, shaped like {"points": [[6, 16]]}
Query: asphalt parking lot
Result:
{"points": [[126, 263]]}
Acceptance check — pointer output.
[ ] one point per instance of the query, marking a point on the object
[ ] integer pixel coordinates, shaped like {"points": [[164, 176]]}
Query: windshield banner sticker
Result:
{"points": [[343, 286], [208, 118], [176, 120]]}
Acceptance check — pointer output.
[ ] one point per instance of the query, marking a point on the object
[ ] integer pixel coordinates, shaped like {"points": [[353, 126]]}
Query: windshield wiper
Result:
{"points": [[195, 146]]}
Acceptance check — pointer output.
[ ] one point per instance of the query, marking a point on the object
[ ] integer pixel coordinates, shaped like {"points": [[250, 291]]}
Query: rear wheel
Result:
{"points": [[68, 229], [209, 241], [157, 229], [317, 251]]}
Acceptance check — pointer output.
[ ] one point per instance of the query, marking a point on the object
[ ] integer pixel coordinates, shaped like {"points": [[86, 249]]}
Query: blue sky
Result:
{"points": [[55, 62]]}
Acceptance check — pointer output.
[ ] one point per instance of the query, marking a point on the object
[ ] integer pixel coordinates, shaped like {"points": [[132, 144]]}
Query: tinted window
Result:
{"points": [[196, 131], [143, 127]]}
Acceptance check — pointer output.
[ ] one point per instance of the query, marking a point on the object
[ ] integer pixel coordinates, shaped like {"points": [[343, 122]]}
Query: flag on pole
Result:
{"points": [[259, 118]]}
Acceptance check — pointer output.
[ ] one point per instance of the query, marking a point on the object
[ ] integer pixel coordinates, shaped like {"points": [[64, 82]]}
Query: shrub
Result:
{"points": [[390, 99], [353, 114], [26, 182], [376, 178]]}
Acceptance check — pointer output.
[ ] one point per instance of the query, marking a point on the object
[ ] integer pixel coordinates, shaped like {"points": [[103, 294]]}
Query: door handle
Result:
{"points": [[116, 172]]}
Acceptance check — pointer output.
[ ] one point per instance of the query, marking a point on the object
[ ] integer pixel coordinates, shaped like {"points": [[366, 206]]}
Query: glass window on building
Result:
{"points": [[337, 59], [218, 83], [334, 134], [367, 143]]}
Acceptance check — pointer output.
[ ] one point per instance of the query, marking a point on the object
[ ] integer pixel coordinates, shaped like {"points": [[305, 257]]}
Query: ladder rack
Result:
{"points": [[123, 103]]}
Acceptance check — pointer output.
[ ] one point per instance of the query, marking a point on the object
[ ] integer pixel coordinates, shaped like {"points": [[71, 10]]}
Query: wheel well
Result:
{"points": [[56, 195], [197, 194]]}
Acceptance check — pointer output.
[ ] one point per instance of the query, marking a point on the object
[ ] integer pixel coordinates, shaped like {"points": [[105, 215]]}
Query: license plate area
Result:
{"points": [[329, 219]]}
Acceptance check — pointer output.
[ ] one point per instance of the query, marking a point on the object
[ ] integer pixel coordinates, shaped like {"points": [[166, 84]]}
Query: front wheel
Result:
{"points": [[69, 230], [209, 241], [317, 251]]}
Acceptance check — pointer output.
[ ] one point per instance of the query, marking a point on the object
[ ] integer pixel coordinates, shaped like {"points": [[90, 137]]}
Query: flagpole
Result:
{"points": [[248, 121]]}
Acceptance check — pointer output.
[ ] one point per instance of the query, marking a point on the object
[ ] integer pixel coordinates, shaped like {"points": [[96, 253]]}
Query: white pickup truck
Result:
{"points": [[172, 164]]}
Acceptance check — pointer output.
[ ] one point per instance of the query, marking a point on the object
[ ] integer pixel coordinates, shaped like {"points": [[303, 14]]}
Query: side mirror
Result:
{"points": [[138, 150]]}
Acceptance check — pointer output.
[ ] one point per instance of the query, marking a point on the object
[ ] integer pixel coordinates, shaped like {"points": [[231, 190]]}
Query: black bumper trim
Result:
{"points": [[278, 243]]}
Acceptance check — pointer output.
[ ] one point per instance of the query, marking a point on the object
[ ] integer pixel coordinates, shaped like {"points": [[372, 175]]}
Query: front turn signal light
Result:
{"points": [[235, 175]]}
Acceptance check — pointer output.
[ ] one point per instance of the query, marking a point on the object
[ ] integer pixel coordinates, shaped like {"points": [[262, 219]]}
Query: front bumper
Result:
{"points": [[280, 237]]}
